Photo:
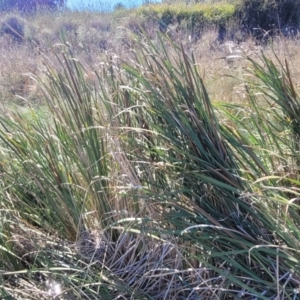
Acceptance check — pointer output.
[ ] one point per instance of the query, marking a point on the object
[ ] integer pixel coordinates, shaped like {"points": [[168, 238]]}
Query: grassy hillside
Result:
{"points": [[139, 161]]}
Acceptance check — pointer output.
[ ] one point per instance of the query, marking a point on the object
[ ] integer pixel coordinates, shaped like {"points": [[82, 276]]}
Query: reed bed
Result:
{"points": [[136, 185]]}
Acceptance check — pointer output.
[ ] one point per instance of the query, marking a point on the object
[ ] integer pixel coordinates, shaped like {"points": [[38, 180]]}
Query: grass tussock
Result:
{"points": [[149, 175]]}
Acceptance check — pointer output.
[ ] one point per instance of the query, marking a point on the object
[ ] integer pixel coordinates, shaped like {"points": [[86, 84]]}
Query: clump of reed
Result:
{"points": [[139, 187]]}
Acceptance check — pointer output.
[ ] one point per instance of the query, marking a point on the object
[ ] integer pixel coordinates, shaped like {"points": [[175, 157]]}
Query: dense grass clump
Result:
{"points": [[135, 185], [131, 167]]}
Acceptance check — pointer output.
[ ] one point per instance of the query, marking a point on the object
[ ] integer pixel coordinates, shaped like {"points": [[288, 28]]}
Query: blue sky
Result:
{"points": [[102, 4]]}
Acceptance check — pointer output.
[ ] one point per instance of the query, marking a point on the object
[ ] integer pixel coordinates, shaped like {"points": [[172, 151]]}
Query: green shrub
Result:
{"points": [[260, 16], [14, 26], [193, 17], [167, 17]]}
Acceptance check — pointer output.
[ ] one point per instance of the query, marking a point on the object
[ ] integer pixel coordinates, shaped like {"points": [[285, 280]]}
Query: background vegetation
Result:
{"points": [[30, 5], [140, 160]]}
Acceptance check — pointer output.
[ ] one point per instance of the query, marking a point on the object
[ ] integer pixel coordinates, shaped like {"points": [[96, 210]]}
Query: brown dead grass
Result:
{"points": [[92, 38], [223, 77]]}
